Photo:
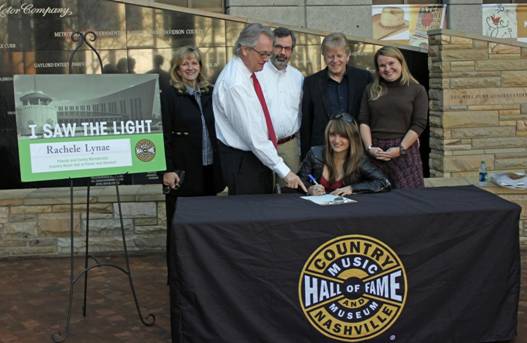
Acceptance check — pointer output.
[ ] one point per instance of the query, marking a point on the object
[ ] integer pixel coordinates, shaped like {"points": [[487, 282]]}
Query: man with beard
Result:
{"points": [[244, 127], [282, 84]]}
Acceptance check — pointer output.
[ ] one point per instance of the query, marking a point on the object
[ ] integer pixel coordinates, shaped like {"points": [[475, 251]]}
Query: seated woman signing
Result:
{"points": [[341, 167]]}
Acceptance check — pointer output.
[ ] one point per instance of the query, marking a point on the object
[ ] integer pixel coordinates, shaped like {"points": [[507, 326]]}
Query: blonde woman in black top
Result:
{"points": [[394, 112], [190, 136]]}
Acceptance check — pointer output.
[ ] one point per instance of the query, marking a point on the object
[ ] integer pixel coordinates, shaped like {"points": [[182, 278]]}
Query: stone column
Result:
{"points": [[478, 104]]}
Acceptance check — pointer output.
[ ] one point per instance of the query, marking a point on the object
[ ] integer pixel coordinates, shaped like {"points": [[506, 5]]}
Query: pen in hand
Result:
{"points": [[312, 179], [317, 188]]}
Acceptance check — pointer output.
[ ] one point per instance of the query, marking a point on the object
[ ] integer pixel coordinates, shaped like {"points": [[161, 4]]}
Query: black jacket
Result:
{"points": [[183, 140], [371, 179], [315, 112]]}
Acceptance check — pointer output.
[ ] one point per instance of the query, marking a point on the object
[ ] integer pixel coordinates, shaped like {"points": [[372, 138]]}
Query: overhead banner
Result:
{"points": [[72, 126], [505, 21], [407, 24]]}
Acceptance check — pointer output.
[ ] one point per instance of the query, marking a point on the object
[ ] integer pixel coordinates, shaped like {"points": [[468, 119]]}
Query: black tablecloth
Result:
{"points": [[243, 268]]}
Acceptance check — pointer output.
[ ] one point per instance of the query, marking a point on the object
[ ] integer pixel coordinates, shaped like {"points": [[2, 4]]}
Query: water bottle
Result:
{"points": [[483, 173]]}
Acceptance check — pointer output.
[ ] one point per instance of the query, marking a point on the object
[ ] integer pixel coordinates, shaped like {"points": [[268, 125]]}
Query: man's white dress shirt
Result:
{"points": [[240, 120], [283, 92]]}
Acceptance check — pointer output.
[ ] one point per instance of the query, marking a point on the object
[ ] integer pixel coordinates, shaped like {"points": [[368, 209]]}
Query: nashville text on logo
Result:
{"points": [[353, 288]]}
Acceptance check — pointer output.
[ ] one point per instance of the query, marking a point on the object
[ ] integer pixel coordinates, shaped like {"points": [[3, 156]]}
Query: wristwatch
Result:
{"points": [[402, 150]]}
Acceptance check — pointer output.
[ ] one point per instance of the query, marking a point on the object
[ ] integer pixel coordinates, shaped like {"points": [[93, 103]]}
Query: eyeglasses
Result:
{"points": [[264, 54], [344, 116], [285, 48]]}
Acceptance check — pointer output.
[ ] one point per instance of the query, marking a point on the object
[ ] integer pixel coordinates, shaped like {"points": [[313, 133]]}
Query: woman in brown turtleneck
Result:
{"points": [[394, 112]]}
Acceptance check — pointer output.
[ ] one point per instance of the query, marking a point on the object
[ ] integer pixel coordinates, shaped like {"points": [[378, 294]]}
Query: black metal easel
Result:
{"points": [[85, 38]]}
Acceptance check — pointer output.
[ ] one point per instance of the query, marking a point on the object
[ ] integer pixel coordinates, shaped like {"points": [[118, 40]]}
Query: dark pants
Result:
{"points": [[244, 173], [171, 202], [207, 182]]}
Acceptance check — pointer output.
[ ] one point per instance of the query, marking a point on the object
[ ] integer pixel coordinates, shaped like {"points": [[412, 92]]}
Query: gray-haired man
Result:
{"points": [[248, 142]]}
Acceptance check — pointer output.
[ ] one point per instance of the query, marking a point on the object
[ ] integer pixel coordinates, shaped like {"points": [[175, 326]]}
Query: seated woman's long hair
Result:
{"points": [[343, 124]]}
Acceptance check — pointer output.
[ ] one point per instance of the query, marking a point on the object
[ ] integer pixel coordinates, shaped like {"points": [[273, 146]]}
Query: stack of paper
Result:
{"points": [[328, 199], [510, 180]]}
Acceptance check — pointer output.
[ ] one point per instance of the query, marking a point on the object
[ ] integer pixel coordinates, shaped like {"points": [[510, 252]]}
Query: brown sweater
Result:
{"points": [[399, 109]]}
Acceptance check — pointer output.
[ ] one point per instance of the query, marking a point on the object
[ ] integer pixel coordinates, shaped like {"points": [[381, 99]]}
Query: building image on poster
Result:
{"points": [[71, 126]]}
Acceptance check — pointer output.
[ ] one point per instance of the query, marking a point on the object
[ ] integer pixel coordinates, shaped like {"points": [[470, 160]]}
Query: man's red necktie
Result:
{"points": [[270, 129]]}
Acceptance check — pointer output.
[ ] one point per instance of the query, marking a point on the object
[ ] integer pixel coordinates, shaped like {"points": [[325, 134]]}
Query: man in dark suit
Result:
{"points": [[337, 88]]}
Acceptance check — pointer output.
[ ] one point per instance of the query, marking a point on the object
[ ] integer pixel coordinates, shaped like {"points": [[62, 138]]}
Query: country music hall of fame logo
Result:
{"points": [[353, 288], [145, 150]]}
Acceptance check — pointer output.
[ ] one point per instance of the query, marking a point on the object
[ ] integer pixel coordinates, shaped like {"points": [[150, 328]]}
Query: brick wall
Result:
{"points": [[37, 221]]}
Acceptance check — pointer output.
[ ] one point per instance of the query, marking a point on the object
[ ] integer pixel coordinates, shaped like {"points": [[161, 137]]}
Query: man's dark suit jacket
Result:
{"points": [[315, 113]]}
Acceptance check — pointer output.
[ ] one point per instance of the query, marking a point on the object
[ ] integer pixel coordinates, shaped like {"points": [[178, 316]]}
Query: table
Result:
{"points": [[428, 265]]}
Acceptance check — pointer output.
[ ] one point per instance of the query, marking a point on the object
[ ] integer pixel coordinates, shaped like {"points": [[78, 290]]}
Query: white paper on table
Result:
{"points": [[328, 199]]}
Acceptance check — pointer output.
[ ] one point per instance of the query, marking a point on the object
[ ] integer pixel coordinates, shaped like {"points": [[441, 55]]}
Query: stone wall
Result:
{"points": [[478, 104], [37, 221]]}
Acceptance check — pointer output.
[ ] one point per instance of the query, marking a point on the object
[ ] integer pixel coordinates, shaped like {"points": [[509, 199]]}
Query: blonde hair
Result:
{"points": [[376, 89], [335, 40], [342, 125], [179, 56]]}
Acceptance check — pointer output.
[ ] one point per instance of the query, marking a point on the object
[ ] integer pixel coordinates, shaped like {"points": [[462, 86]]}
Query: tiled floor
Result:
{"points": [[33, 296]]}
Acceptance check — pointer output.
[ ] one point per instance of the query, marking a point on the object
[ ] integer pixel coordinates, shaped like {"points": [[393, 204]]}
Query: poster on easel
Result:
{"points": [[73, 126]]}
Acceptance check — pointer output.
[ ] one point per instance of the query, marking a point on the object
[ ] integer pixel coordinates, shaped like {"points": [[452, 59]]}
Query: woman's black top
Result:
{"points": [[369, 179], [183, 132]]}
